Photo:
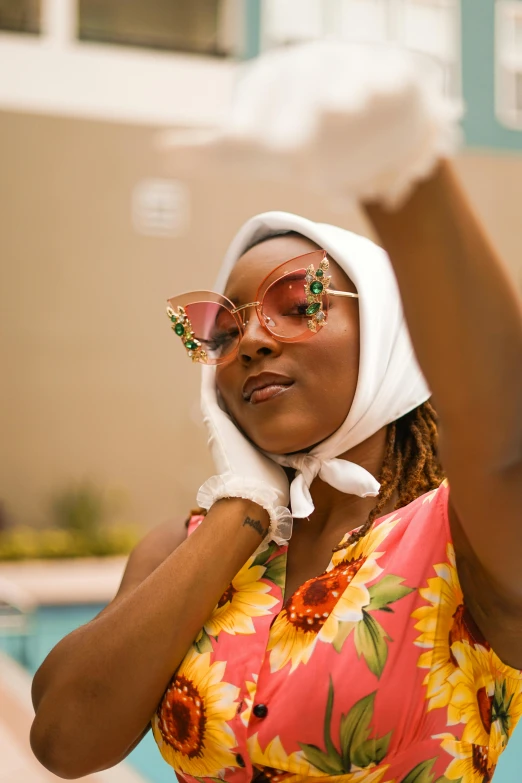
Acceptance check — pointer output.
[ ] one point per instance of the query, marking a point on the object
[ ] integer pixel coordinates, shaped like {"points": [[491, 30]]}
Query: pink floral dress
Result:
{"points": [[372, 672]]}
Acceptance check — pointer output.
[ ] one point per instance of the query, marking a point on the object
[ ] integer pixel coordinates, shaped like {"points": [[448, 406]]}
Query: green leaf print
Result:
{"points": [[276, 571], [345, 629], [330, 747], [356, 747], [386, 592], [355, 727], [501, 707], [321, 760], [422, 773], [370, 642], [371, 751], [203, 643], [370, 636], [264, 555]]}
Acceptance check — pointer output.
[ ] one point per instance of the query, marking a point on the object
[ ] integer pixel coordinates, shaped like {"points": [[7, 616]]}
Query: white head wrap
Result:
{"points": [[390, 382]]}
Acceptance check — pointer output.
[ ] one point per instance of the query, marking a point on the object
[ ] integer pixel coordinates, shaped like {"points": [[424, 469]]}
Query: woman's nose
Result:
{"points": [[256, 341]]}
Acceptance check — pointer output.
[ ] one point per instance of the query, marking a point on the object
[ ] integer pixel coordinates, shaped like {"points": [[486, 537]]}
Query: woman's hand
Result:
{"points": [[352, 121], [242, 470]]}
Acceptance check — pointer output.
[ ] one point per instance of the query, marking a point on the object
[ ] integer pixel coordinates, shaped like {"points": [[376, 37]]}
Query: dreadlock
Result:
{"points": [[410, 467]]}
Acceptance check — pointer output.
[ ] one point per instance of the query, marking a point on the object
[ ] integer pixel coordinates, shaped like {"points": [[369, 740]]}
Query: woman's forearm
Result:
{"points": [[464, 315], [96, 691]]}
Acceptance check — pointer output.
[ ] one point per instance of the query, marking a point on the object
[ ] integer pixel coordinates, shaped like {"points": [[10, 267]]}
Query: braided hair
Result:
{"points": [[410, 466]]}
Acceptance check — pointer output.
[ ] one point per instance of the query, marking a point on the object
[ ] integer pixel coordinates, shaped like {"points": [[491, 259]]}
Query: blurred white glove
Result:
{"points": [[243, 471], [352, 121]]}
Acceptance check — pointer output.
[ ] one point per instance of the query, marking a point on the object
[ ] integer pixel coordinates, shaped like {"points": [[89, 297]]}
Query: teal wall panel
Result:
{"points": [[252, 16], [481, 126]]}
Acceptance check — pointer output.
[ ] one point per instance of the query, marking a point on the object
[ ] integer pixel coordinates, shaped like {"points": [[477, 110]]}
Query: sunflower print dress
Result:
{"points": [[372, 672]]}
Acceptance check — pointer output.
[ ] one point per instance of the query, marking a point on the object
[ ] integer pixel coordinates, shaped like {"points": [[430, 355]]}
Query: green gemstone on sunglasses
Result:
{"points": [[313, 308], [319, 273], [179, 329], [316, 287], [191, 345]]}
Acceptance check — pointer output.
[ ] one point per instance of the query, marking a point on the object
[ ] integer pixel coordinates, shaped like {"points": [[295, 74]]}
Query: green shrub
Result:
{"points": [[79, 515], [28, 543], [79, 508]]}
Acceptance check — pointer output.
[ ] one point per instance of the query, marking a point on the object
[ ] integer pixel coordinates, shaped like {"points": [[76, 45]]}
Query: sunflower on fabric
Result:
{"points": [[470, 763], [245, 598], [251, 686], [276, 764], [473, 693], [466, 678], [444, 622], [487, 698], [191, 722], [327, 608]]}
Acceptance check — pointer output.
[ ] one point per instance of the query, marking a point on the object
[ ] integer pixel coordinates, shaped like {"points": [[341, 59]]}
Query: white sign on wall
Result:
{"points": [[161, 207]]}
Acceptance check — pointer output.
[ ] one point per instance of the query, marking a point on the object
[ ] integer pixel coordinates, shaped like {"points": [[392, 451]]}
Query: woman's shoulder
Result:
{"points": [[151, 551]]}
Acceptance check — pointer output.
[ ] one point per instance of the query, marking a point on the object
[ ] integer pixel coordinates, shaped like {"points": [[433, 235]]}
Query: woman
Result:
{"points": [[259, 653]]}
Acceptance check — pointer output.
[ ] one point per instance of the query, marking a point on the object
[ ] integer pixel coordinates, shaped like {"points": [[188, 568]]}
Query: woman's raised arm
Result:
{"points": [[465, 320]]}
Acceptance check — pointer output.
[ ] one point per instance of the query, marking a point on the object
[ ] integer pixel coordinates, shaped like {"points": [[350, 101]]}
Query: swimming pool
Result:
{"points": [[52, 623]]}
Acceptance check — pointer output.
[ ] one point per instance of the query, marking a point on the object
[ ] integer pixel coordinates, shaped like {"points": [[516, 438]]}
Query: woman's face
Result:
{"points": [[318, 376]]}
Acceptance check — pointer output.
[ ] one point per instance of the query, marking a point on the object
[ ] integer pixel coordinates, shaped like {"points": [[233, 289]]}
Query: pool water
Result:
{"points": [[52, 623]]}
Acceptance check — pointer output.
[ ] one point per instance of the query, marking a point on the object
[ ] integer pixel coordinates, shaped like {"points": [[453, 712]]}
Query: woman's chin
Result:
{"points": [[281, 443]]}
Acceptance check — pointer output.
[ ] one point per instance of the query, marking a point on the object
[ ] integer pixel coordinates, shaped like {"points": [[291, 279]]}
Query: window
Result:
{"points": [[201, 26], [508, 92], [363, 20], [428, 26], [289, 21], [20, 16], [433, 27]]}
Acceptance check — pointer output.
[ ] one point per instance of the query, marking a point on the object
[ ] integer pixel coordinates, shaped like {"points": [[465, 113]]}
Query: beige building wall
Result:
{"points": [[93, 383]]}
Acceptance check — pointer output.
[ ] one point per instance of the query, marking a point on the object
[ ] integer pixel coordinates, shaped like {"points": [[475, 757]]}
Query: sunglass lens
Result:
{"points": [[285, 305], [214, 327]]}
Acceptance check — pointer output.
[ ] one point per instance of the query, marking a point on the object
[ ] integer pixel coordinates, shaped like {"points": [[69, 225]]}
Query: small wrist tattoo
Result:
{"points": [[256, 524]]}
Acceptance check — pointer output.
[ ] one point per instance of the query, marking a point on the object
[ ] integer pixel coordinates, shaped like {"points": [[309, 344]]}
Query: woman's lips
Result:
{"points": [[264, 386], [268, 392]]}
